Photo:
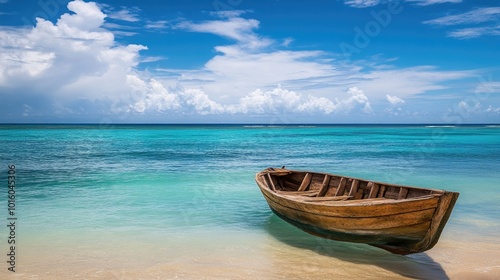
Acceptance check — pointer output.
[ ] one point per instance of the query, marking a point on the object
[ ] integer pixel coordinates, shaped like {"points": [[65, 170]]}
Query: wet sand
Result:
{"points": [[250, 256]]}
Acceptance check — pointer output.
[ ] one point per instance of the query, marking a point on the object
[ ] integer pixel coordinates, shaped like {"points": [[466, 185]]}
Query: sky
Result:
{"points": [[242, 61]]}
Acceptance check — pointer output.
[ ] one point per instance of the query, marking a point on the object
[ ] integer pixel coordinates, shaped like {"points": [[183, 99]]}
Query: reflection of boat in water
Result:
{"points": [[399, 219]]}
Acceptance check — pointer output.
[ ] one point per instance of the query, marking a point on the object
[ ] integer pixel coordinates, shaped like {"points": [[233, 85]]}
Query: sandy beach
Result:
{"points": [[268, 255]]}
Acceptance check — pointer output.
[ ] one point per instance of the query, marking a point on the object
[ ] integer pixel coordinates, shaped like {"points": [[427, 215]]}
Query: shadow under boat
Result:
{"points": [[419, 266]]}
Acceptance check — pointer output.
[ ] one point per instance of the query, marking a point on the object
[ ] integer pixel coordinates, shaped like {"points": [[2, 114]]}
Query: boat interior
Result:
{"points": [[326, 187]]}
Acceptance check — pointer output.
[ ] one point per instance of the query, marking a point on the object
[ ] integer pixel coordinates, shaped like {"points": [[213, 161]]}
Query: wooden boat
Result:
{"points": [[400, 219]]}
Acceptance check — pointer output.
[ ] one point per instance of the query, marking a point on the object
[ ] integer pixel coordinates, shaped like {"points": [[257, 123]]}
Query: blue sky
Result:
{"points": [[335, 61]]}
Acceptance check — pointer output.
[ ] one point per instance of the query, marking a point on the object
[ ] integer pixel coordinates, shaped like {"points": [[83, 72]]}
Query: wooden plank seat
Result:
{"points": [[326, 198], [305, 183], [300, 193]]}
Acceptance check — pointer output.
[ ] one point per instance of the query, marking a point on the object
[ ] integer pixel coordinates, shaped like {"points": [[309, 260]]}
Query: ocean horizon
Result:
{"points": [[180, 201]]}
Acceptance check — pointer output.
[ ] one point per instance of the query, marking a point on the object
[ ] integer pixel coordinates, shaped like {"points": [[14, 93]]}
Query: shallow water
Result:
{"points": [[181, 202]]}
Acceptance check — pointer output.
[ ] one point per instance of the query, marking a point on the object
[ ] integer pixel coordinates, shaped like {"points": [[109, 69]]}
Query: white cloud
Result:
{"points": [[469, 108], [489, 17], [27, 110], [228, 13], [29, 63], [286, 42], [152, 95], [77, 66], [201, 102], [395, 108], [488, 87], [371, 3], [478, 15], [234, 72], [406, 82], [394, 100], [362, 3], [126, 14], [160, 24], [474, 32], [357, 96], [492, 109], [276, 101], [432, 2], [87, 17], [314, 84], [74, 59], [236, 28], [315, 105], [280, 100], [56, 53]]}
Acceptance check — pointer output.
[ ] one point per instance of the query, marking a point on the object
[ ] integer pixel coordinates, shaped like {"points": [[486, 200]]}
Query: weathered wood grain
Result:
{"points": [[399, 219], [305, 183]]}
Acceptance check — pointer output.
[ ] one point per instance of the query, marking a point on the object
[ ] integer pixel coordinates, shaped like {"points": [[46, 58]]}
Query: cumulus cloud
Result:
{"points": [[275, 101], [58, 53], [200, 102], [73, 59], [317, 105], [394, 100], [469, 107], [326, 106], [492, 109], [282, 100], [152, 95], [356, 97], [395, 108], [155, 97]]}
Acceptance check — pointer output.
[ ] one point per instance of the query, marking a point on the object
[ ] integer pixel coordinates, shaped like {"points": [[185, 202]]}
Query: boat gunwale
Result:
{"points": [[436, 193], [266, 171]]}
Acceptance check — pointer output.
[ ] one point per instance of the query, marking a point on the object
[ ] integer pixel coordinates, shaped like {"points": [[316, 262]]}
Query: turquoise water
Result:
{"points": [[176, 188]]}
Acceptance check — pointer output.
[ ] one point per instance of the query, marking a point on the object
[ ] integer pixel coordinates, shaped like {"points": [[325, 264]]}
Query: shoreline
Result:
{"points": [[263, 257]]}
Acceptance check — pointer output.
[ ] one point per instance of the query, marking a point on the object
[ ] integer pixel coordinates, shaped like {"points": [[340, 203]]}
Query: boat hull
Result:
{"points": [[402, 226]]}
